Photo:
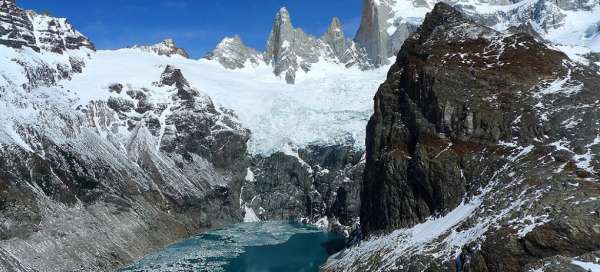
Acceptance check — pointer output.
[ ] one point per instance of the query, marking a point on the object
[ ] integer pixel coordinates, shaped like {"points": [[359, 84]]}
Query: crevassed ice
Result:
{"points": [[328, 105]]}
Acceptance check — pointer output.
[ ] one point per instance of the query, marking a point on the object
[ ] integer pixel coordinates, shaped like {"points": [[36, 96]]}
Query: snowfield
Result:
{"points": [[328, 105]]}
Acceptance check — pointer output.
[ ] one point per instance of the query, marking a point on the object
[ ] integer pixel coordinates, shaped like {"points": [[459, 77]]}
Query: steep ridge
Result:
{"points": [[20, 28], [291, 51], [93, 184], [480, 156], [570, 24], [108, 155]]}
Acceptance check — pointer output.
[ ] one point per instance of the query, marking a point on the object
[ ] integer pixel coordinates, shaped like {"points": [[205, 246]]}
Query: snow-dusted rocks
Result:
{"points": [[57, 34], [20, 28], [165, 48], [312, 184], [232, 53], [572, 24], [16, 29], [290, 51], [482, 155], [94, 178]]}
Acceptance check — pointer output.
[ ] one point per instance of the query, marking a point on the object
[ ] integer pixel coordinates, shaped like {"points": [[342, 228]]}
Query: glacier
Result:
{"points": [[329, 105]]}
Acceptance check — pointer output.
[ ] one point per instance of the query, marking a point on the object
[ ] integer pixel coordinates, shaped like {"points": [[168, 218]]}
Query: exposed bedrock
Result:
{"points": [[316, 184], [467, 113]]}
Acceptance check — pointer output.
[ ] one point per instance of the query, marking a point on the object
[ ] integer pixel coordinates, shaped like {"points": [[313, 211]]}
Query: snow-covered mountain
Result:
{"points": [[572, 25], [291, 52], [106, 155], [165, 48], [20, 28], [482, 155]]}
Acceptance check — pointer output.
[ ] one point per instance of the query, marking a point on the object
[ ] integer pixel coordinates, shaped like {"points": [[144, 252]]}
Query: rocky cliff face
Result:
{"points": [[379, 34], [386, 24], [91, 185], [165, 48], [96, 188], [316, 185], [20, 28], [480, 155]]}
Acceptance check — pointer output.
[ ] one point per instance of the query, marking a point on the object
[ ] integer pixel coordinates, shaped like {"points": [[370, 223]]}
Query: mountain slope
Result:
{"points": [[92, 182], [108, 155], [570, 24], [96, 185], [480, 155]]}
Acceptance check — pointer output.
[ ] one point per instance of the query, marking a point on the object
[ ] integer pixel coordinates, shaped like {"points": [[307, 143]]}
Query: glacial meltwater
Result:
{"points": [[251, 247]]}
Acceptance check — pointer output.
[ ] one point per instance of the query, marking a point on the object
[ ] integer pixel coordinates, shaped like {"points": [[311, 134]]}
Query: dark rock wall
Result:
{"points": [[458, 101], [308, 185]]}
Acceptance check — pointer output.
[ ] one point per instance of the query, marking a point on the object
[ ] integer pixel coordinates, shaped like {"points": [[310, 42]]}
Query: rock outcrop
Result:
{"points": [[165, 48], [483, 146], [20, 28], [317, 185], [232, 53], [344, 49], [291, 51]]}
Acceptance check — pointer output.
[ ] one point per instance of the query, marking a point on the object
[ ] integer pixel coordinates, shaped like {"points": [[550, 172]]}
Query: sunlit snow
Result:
{"points": [[328, 105]]}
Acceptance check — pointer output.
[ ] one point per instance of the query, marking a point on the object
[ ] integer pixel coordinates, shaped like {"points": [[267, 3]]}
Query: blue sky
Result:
{"points": [[196, 25]]}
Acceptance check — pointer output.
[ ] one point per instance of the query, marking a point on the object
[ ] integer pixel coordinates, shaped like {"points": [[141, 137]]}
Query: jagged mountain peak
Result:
{"points": [[8, 2], [283, 16], [290, 50], [167, 47], [24, 28], [335, 26], [232, 53]]}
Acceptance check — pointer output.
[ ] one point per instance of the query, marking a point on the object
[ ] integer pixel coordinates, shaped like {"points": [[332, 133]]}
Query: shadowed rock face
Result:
{"points": [[372, 33], [309, 185], [466, 108]]}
